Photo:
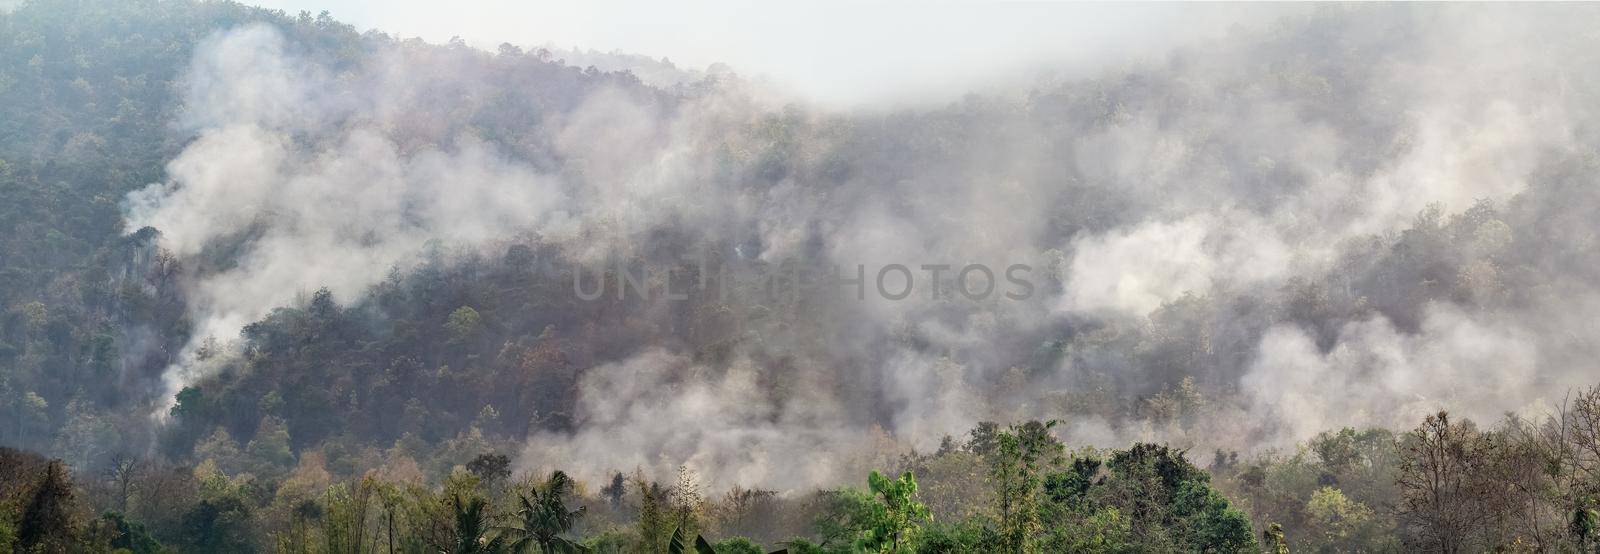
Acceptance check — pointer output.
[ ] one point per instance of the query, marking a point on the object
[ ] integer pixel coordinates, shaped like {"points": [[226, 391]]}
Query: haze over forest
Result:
{"points": [[272, 282]]}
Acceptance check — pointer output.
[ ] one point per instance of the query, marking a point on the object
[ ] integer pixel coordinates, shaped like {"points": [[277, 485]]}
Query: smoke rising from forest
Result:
{"points": [[1221, 215]]}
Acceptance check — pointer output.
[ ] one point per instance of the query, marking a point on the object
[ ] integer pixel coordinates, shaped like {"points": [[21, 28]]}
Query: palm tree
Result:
{"points": [[543, 517], [472, 524]]}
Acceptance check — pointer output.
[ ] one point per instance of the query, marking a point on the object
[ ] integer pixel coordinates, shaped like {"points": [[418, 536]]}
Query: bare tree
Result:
{"points": [[1571, 441], [124, 476], [1442, 485], [1524, 467]]}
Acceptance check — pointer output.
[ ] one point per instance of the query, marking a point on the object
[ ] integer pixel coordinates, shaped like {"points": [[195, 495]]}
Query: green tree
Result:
{"points": [[472, 528], [463, 324], [892, 523], [1275, 541], [679, 543], [8, 532], [271, 444], [1103, 530], [190, 403], [344, 518], [219, 524], [1150, 498], [1209, 523], [128, 535], [652, 524], [968, 535], [542, 517], [737, 545], [1336, 522], [1017, 463]]}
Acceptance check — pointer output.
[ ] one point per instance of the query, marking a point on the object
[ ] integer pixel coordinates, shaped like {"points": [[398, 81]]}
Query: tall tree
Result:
{"points": [[894, 521], [1441, 484], [1017, 461], [653, 527], [472, 528], [46, 524], [542, 517]]}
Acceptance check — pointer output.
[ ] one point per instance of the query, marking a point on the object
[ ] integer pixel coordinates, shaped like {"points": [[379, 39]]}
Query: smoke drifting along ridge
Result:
{"points": [[1319, 224]]}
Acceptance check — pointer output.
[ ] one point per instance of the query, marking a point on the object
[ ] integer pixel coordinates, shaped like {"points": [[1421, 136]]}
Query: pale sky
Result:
{"points": [[834, 52]]}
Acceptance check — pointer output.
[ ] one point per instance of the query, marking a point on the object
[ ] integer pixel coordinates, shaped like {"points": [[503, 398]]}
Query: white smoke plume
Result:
{"points": [[1214, 181], [331, 205]]}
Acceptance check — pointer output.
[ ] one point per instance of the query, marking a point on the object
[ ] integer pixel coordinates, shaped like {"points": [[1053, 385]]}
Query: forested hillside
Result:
{"points": [[271, 283]]}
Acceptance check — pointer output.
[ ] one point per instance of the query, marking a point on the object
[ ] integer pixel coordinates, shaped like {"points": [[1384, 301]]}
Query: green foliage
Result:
{"points": [[1212, 525], [1103, 530], [680, 543], [464, 324], [472, 528], [1338, 523], [129, 536], [345, 516], [654, 529], [965, 536], [1148, 497], [611, 541], [8, 532], [1361, 465], [1017, 462], [220, 524], [190, 403], [737, 545], [1338, 451], [1274, 539], [271, 444], [542, 517], [1583, 524], [893, 521]]}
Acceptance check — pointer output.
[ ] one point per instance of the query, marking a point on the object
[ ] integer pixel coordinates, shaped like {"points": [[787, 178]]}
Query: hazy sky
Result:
{"points": [[836, 52]]}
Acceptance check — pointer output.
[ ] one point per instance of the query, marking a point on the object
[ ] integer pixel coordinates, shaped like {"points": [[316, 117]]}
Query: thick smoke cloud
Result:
{"points": [[284, 156], [1244, 213], [670, 412]]}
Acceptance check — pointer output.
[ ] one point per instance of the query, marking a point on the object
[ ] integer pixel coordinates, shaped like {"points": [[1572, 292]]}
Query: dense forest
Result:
{"points": [[269, 283]]}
